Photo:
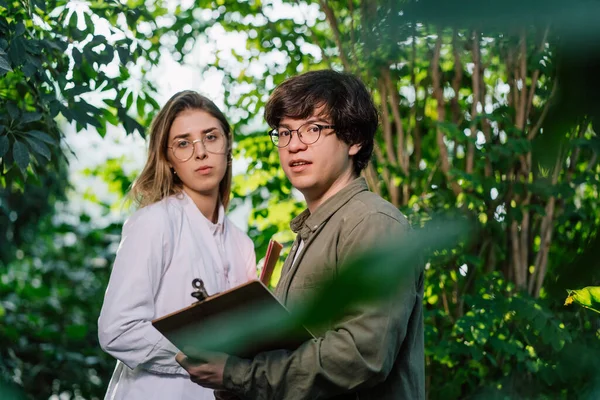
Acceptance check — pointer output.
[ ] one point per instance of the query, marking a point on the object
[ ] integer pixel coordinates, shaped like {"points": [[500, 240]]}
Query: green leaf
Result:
{"points": [[40, 148], [41, 4], [20, 29], [140, 104], [3, 145], [30, 117], [21, 155], [13, 111], [16, 51], [4, 64], [29, 69], [77, 56], [124, 55], [588, 297], [129, 101], [44, 137]]}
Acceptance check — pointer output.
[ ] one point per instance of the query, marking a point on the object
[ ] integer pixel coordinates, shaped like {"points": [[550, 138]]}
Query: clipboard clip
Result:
{"points": [[199, 292]]}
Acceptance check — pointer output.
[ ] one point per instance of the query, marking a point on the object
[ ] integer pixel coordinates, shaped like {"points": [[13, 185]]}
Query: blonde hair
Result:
{"points": [[157, 181]]}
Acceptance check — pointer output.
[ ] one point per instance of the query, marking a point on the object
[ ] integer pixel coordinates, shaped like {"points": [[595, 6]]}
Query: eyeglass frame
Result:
{"points": [[193, 143], [321, 127]]}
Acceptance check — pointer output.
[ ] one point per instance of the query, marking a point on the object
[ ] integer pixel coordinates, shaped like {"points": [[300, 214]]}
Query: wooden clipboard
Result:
{"points": [[208, 319], [271, 257]]}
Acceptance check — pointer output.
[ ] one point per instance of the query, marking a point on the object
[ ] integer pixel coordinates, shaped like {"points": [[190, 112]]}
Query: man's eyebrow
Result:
{"points": [[312, 120], [204, 132]]}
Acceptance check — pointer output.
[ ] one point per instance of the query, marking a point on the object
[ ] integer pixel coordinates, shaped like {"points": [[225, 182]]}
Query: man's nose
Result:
{"points": [[295, 142]]}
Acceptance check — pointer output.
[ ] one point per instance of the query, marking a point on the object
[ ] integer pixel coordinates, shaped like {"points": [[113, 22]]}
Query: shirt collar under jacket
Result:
{"points": [[306, 223]]}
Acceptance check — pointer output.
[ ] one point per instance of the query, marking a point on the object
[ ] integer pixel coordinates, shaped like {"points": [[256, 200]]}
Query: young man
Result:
{"points": [[324, 127]]}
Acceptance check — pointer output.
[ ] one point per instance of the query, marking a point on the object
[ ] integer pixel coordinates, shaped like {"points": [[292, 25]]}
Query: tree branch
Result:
{"points": [[441, 111], [395, 105], [352, 34], [476, 98], [316, 41], [542, 117], [371, 176], [386, 123], [330, 15], [536, 74], [521, 117]]}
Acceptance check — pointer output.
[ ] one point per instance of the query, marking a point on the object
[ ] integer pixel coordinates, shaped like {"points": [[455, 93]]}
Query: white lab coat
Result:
{"points": [[163, 247]]}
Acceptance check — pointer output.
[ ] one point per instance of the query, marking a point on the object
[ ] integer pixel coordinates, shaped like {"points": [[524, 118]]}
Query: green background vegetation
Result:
{"points": [[489, 111]]}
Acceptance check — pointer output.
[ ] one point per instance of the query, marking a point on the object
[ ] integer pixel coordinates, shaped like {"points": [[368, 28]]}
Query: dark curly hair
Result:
{"points": [[345, 101]]}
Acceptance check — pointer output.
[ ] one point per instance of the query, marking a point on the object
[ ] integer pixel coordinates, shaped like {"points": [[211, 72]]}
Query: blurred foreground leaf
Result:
{"points": [[9, 391], [371, 276]]}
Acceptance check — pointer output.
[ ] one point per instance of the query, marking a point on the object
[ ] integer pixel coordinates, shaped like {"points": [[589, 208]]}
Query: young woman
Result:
{"points": [[179, 233]]}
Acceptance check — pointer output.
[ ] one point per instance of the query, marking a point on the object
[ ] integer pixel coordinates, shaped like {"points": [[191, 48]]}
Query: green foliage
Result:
{"points": [[52, 57], [50, 298], [588, 297], [505, 343], [488, 333]]}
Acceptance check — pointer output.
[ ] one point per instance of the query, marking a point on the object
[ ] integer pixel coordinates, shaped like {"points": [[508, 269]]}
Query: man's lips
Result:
{"points": [[298, 166], [297, 163]]}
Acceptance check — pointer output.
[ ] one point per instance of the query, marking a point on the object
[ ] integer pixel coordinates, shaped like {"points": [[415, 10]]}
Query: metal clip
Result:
{"points": [[200, 291]]}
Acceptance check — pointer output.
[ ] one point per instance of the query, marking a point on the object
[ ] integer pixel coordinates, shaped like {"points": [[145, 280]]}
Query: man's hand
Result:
{"points": [[205, 369]]}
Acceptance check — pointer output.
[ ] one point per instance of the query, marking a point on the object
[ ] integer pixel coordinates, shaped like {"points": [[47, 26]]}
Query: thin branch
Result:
{"points": [[536, 74], [476, 98], [371, 176], [441, 111], [520, 122], [516, 253], [547, 228], [511, 79], [485, 124], [415, 131], [524, 245], [352, 33], [386, 124], [540, 120], [388, 179], [574, 158], [456, 81], [316, 41], [395, 105], [330, 15]]}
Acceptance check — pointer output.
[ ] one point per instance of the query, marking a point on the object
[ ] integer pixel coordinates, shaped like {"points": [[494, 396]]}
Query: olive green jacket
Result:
{"points": [[375, 351]]}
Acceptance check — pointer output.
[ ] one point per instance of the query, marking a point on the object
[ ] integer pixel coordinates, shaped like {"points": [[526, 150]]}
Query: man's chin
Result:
{"points": [[302, 183]]}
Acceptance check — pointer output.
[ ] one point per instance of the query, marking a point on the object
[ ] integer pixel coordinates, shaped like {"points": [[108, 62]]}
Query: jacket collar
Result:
{"points": [[306, 223]]}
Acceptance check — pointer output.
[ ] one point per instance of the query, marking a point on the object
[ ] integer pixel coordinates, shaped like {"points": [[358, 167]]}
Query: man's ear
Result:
{"points": [[353, 149]]}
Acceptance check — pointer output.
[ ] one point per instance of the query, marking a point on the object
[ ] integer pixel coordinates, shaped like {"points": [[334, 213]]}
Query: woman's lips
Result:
{"points": [[204, 170]]}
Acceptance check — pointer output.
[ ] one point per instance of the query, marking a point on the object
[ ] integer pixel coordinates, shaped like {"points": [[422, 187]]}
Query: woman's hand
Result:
{"points": [[205, 369]]}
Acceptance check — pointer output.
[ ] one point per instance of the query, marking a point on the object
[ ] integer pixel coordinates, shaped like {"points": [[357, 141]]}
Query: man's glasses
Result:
{"points": [[307, 133], [213, 142]]}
